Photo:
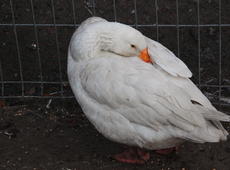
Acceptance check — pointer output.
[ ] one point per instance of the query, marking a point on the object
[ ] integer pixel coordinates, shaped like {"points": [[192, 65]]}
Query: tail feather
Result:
{"points": [[213, 131], [220, 127], [213, 114], [209, 134]]}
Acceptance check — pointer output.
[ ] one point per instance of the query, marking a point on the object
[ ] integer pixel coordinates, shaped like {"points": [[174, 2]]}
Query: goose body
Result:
{"points": [[152, 106]]}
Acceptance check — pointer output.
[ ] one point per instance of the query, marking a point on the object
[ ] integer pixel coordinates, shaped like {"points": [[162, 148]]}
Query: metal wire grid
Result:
{"points": [[93, 10]]}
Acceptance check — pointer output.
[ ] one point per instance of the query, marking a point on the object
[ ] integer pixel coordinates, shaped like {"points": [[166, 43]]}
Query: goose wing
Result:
{"points": [[142, 95], [164, 58]]}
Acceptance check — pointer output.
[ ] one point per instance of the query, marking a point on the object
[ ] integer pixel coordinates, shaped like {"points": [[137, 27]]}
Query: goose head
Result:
{"points": [[106, 39], [126, 41]]}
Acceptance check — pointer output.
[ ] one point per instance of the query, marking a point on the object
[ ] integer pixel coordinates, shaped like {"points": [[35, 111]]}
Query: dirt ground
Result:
{"points": [[43, 134]]}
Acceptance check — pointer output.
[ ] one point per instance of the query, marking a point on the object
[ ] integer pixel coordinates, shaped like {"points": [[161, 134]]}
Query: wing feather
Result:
{"points": [[143, 95], [139, 96], [164, 58]]}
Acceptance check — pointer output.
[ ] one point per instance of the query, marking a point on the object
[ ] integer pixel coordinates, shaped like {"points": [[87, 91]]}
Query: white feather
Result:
{"points": [[167, 60], [136, 103]]}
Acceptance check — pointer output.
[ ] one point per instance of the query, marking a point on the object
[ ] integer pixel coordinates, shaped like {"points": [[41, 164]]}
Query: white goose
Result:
{"points": [[149, 105]]}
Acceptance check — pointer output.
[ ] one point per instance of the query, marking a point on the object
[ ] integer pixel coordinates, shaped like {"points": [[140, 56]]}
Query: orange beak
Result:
{"points": [[145, 56]]}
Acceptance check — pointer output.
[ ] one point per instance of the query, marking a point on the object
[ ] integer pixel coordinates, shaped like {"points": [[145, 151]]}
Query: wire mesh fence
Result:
{"points": [[34, 38]]}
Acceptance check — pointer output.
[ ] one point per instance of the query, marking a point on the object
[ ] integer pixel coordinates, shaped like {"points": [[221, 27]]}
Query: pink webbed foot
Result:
{"points": [[133, 156]]}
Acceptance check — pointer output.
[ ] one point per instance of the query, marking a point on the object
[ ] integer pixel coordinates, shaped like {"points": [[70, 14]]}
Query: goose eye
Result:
{"points": [[133, 46]]}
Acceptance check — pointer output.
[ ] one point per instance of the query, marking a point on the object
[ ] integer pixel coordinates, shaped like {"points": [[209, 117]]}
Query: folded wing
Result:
{"points": [[164, 58], [140, 93]]}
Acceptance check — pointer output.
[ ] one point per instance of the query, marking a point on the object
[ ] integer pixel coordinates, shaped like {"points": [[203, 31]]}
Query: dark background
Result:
{"points": [[33, 135]]}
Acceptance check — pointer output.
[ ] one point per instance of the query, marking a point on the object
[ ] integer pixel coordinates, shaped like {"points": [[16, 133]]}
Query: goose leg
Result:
{"points": [[133, 155]]}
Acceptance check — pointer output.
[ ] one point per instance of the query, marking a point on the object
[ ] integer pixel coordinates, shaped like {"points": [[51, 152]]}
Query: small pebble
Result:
{"points": [[34, 46], [11, 133]]}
